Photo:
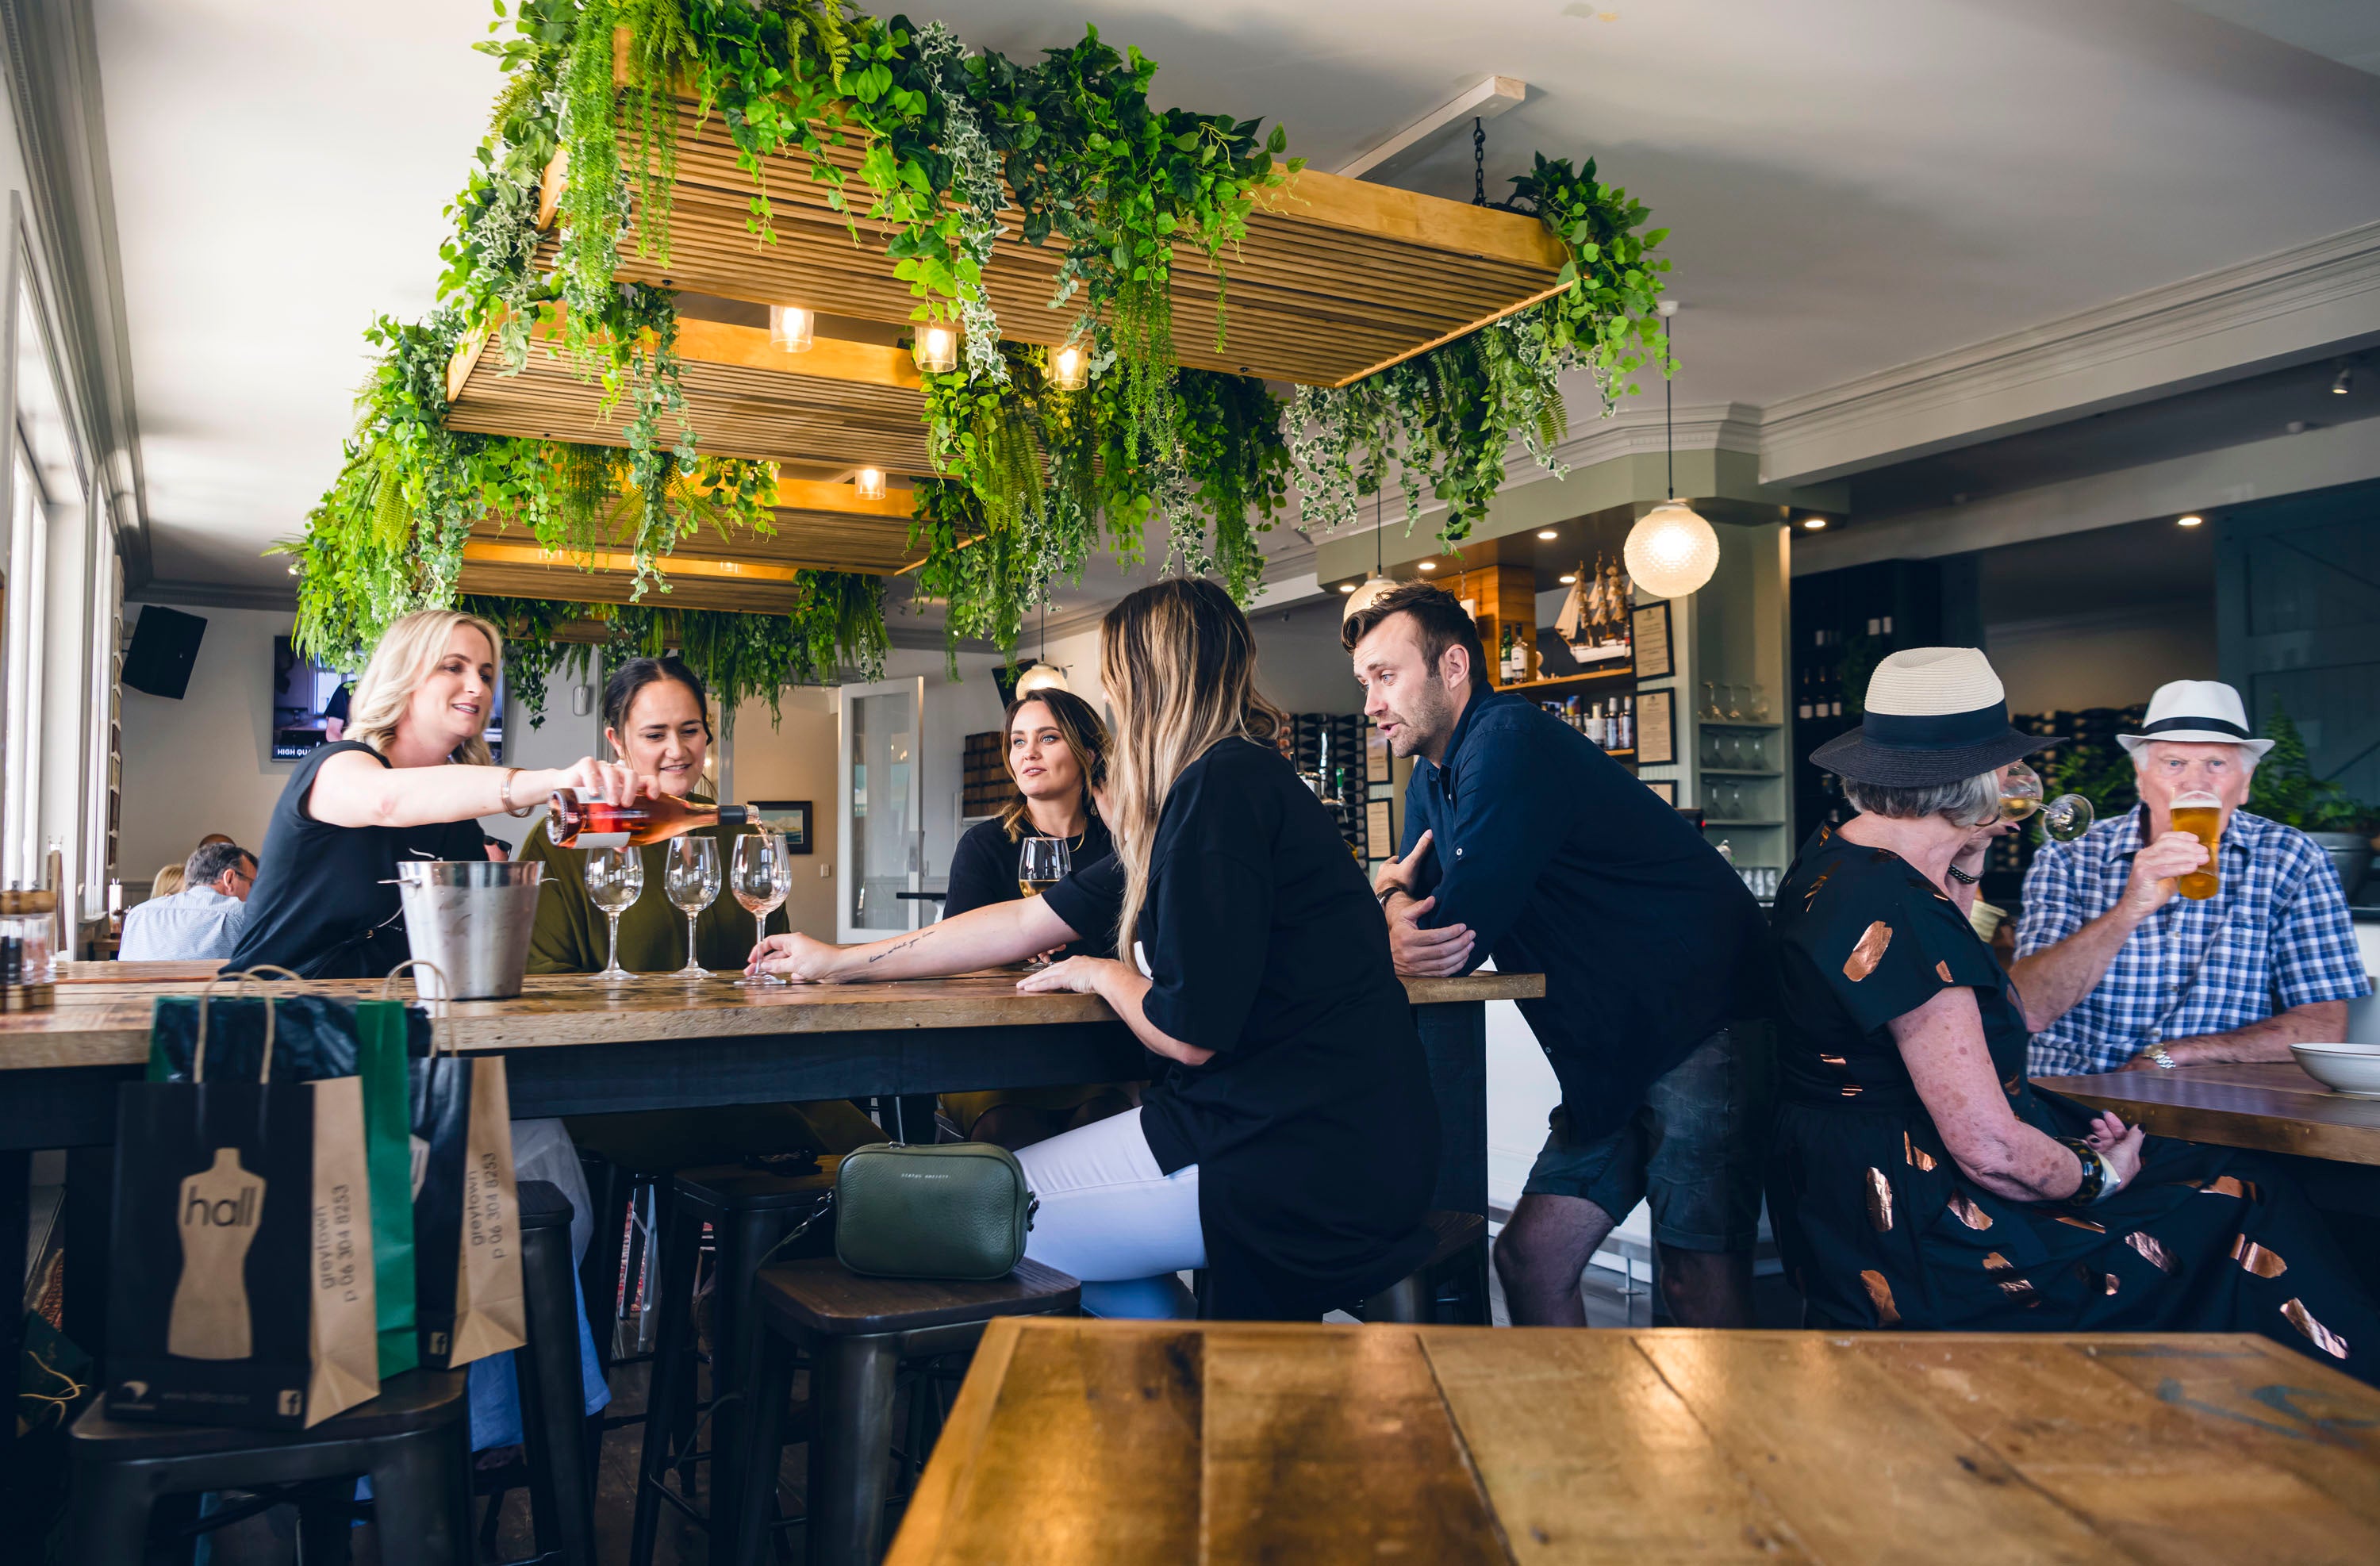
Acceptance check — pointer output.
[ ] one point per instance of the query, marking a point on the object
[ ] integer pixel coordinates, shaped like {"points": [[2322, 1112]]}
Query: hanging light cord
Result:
{"points": [[1668, 403], [1478, 161]]}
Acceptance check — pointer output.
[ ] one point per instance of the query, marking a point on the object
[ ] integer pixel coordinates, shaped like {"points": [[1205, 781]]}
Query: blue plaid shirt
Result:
{"points": [[2278, 935]]}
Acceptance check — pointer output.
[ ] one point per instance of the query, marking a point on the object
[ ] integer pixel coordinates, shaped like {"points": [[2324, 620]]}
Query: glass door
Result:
{"points": [[879, 774]]}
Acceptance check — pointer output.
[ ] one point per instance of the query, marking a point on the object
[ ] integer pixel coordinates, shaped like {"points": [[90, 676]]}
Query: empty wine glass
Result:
{"points": [[761, 877], [1735, 702], [2020, 792], [2067, 816], [615, 879], [1710, 702], [1041, 863], [1759, 704], [690, 876]]}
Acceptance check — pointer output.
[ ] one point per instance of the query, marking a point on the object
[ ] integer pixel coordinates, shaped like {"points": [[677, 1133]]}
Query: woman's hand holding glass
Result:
{"points": [[795, 958], [761, 877], [690, 875], [615, 879]]}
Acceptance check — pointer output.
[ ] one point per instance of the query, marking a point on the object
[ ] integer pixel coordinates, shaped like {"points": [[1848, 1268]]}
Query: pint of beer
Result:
{"points": [[2200, 815]]}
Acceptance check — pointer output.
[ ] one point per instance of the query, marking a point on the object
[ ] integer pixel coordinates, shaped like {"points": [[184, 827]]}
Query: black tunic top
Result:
{"points": [[1313, 1126], [983, 871], [320, 908], [1879, 1227]]}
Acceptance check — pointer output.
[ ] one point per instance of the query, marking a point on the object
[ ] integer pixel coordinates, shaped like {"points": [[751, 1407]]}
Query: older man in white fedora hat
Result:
{"points": [[2139, 978]]}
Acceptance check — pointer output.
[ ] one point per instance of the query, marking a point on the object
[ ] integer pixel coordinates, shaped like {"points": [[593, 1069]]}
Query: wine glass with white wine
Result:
{"points": [[761, 877], [690, 875], [615, 879], [1041, 863]]}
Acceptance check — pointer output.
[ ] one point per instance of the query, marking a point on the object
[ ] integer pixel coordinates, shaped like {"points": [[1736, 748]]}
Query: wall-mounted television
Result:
{"points": [[310, 705]]}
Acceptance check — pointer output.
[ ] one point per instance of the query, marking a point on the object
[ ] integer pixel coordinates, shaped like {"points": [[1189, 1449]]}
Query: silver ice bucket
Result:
{"points": [[472, 919]]}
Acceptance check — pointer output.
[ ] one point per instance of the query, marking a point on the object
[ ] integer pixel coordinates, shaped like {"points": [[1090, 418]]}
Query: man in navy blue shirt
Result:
{"points": [[1524, 841]]}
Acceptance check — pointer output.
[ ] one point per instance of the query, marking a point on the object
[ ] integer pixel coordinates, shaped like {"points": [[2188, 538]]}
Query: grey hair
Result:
{"points": [[206, 866], [1969, 802]]}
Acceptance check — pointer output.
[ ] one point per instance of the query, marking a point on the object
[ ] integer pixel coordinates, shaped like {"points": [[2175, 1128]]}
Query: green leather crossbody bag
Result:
{"points": [[959, 1210]]}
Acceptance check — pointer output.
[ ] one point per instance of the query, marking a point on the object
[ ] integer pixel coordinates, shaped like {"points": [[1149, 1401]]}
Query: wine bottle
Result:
{"points": [[574, 822], [1627, 723]]}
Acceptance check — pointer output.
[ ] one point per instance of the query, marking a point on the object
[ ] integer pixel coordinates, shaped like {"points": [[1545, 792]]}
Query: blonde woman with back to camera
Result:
{"points": [[409, 783]]}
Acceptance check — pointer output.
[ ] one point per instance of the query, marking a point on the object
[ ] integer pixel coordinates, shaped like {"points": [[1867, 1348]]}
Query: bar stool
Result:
{"points": [[1450, 1285], [556, 1465], [857, 1331], [751, 1211], [412, 1441]]}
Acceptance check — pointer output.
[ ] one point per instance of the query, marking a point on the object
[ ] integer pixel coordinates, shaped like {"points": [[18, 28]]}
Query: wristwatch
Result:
{"points": [[2156, 1052]]}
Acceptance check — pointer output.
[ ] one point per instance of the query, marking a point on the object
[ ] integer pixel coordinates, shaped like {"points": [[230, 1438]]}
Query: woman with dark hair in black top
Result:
{"points": [[1290, 1144]]}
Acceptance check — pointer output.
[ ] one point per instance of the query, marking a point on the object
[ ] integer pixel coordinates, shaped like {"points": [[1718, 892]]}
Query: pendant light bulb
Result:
{"points": [[792, 329], [1043, 675], [1070, 368], [937, 349], [868, 483], [1671, 551]]}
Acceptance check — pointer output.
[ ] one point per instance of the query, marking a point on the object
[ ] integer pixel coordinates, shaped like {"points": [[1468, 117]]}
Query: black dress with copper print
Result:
{"points": [[1879, 1227]]}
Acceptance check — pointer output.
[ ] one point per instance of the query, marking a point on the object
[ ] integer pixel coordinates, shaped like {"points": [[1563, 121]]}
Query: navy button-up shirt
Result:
{"points": [[1563, 864]]}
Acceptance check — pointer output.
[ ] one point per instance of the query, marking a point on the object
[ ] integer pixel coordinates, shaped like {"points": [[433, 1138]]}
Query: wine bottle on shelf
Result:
{"points": [[1627, 723], [1595, 726], [1803, 704], [574, 822]]}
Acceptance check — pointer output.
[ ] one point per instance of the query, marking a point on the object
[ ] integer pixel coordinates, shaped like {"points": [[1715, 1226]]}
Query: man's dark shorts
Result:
{"points": [[1694, 1147]]}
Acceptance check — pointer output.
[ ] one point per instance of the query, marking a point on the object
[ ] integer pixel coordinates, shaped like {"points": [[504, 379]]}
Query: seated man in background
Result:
{"points": [[2140, 978], [1524, 841], [203, 919]]}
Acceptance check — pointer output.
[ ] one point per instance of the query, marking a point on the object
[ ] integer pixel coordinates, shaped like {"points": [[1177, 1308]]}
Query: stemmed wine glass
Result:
{"points": [[761, 877], [615, 879], [2020, 792], [1041, 863], [1711, 708], [690, 876], [2068, 817]]}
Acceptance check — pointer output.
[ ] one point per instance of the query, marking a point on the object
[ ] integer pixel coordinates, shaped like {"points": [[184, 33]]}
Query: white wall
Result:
{"points": [[795, 759], [2069, 664], [203, 763]]}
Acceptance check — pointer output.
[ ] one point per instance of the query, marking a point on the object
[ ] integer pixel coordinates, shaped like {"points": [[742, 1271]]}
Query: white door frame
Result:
{"points": [[846, 857]]}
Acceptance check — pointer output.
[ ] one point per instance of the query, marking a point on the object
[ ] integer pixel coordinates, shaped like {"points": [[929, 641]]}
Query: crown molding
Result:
{"points": [[213, 595], [2298, 304]]}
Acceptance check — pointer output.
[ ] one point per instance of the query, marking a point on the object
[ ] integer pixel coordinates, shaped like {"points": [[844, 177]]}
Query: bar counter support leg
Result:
{"points": [[1454, 1042]]}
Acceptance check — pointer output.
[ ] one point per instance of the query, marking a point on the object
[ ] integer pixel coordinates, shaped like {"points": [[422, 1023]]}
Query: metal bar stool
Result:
{"points": [[750, 1211], [856, 1330], [412, 1441], [1450, 1285]]}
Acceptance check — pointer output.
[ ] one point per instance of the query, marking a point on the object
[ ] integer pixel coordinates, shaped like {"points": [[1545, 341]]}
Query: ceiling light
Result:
{"points": [[293, 570], [937, 348], [1429, 564], [2345, 379], [1367, 592], [2193, 520], [791, 328], [1671, 551], [1042, 677], [1567, 578], [1070, 368], [1548, 534], [1814, 523], [868, 483], [1346, 587]]}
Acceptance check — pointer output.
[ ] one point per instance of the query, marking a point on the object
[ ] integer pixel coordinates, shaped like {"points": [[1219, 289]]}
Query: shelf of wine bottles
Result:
{"points": [[984, 780], [1326, 749], [1844, 624]]}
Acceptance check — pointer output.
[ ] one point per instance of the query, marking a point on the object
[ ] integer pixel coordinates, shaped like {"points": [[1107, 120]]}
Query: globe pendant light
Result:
{"points": [[1044, 674], [1378, 583], [1671, 551]]}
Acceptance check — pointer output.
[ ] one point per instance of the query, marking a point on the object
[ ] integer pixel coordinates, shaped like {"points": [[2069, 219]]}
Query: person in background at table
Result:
{"points": [[2119, 974], [335, 712], [657, 720], [1919, 1181], [166, 882], [1057, 753], [203, 919], [1523, 841], [1291, 1144]]}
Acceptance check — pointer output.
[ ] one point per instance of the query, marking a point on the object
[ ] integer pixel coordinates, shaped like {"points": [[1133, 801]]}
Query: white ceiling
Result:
{"points": [[1854, 184]]}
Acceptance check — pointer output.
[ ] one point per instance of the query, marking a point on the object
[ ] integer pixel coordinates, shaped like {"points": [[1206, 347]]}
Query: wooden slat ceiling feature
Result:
{"points": [[843, 404], [1339, 280], [819, 528]]}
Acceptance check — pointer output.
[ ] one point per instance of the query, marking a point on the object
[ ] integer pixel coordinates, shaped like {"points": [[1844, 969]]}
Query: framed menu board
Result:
{"points": [[1650, 628], [1657, 726], [1664, 789]]}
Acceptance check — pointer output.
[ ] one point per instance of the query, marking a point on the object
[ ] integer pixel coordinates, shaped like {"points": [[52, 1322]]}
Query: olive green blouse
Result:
{"points": [[570, 934]]}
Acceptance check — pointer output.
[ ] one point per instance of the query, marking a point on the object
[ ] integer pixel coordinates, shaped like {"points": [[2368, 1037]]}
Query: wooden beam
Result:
{"points": [[809, 494], [621, 562], [466, 356], [1420, 348], [830, 359], [1483, 100], [548, 187], [1382, 212]]}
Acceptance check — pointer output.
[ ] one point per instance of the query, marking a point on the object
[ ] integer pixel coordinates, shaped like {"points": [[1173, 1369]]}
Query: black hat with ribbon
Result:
{"points": [[1933, 715]]}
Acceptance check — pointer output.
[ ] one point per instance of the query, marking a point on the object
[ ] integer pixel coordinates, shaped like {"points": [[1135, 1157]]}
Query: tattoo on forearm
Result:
{"points": [[902, 947]]}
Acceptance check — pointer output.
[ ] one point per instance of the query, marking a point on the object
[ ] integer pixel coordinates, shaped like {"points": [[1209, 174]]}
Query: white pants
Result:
{"points": [[1111, 1217]]}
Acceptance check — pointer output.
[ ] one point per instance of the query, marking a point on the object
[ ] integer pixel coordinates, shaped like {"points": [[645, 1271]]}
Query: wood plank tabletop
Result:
{"points": [[1077, 1440], [101, 1024], [2275, 1108]]}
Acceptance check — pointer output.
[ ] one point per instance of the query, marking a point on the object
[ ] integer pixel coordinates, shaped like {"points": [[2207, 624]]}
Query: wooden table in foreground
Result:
{"points": [[2272, 1109], [1096, 1441]]}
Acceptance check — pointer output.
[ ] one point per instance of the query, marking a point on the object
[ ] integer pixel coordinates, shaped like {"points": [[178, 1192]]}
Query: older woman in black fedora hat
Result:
{"points": [[1916, 1179]]}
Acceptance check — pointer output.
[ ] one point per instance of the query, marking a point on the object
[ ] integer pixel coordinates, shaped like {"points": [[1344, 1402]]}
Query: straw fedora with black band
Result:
{"points": [[1933, 715], [2196, 712]]}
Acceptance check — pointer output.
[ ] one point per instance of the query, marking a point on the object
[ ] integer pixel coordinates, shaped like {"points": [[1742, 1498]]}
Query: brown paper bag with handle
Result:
{"points": [[465, 1207]]}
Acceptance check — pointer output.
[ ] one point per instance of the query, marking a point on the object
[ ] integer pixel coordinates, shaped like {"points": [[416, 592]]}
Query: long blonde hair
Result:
{"points": [[1180, 663], [409, 651]]}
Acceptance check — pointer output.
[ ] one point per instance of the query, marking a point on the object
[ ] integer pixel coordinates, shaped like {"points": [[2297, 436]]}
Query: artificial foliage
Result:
{"points": [[935, 155]]}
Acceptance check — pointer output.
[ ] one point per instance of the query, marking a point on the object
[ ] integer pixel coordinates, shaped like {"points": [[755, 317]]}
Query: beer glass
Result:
{"points": [[2200, 815], [2020, 792]]}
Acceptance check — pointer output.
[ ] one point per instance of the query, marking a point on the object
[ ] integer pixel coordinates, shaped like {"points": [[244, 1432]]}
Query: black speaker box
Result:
{"points": [[165, 646]]}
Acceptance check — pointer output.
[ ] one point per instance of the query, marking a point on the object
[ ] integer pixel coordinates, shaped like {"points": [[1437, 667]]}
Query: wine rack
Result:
{"points": [[1326, 749], [986, 787]]}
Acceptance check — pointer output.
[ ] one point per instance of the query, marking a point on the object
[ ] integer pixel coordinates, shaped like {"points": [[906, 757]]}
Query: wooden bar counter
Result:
{"points": [[2272, 1107]]}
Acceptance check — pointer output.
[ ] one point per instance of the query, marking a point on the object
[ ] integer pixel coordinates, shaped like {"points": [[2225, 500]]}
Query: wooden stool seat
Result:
{"points": [[822, 1297], [1452, 1234], [1458, 1254], [419, 1400]]}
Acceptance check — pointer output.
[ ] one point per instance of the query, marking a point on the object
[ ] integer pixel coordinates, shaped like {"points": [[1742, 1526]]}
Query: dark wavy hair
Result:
{"points": [[628, 681], [1086, 733]]}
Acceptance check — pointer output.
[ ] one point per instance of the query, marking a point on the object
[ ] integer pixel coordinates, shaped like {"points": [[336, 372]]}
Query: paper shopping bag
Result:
{"points": [[241, 1248], [465, 1211], [318, 1037]]}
